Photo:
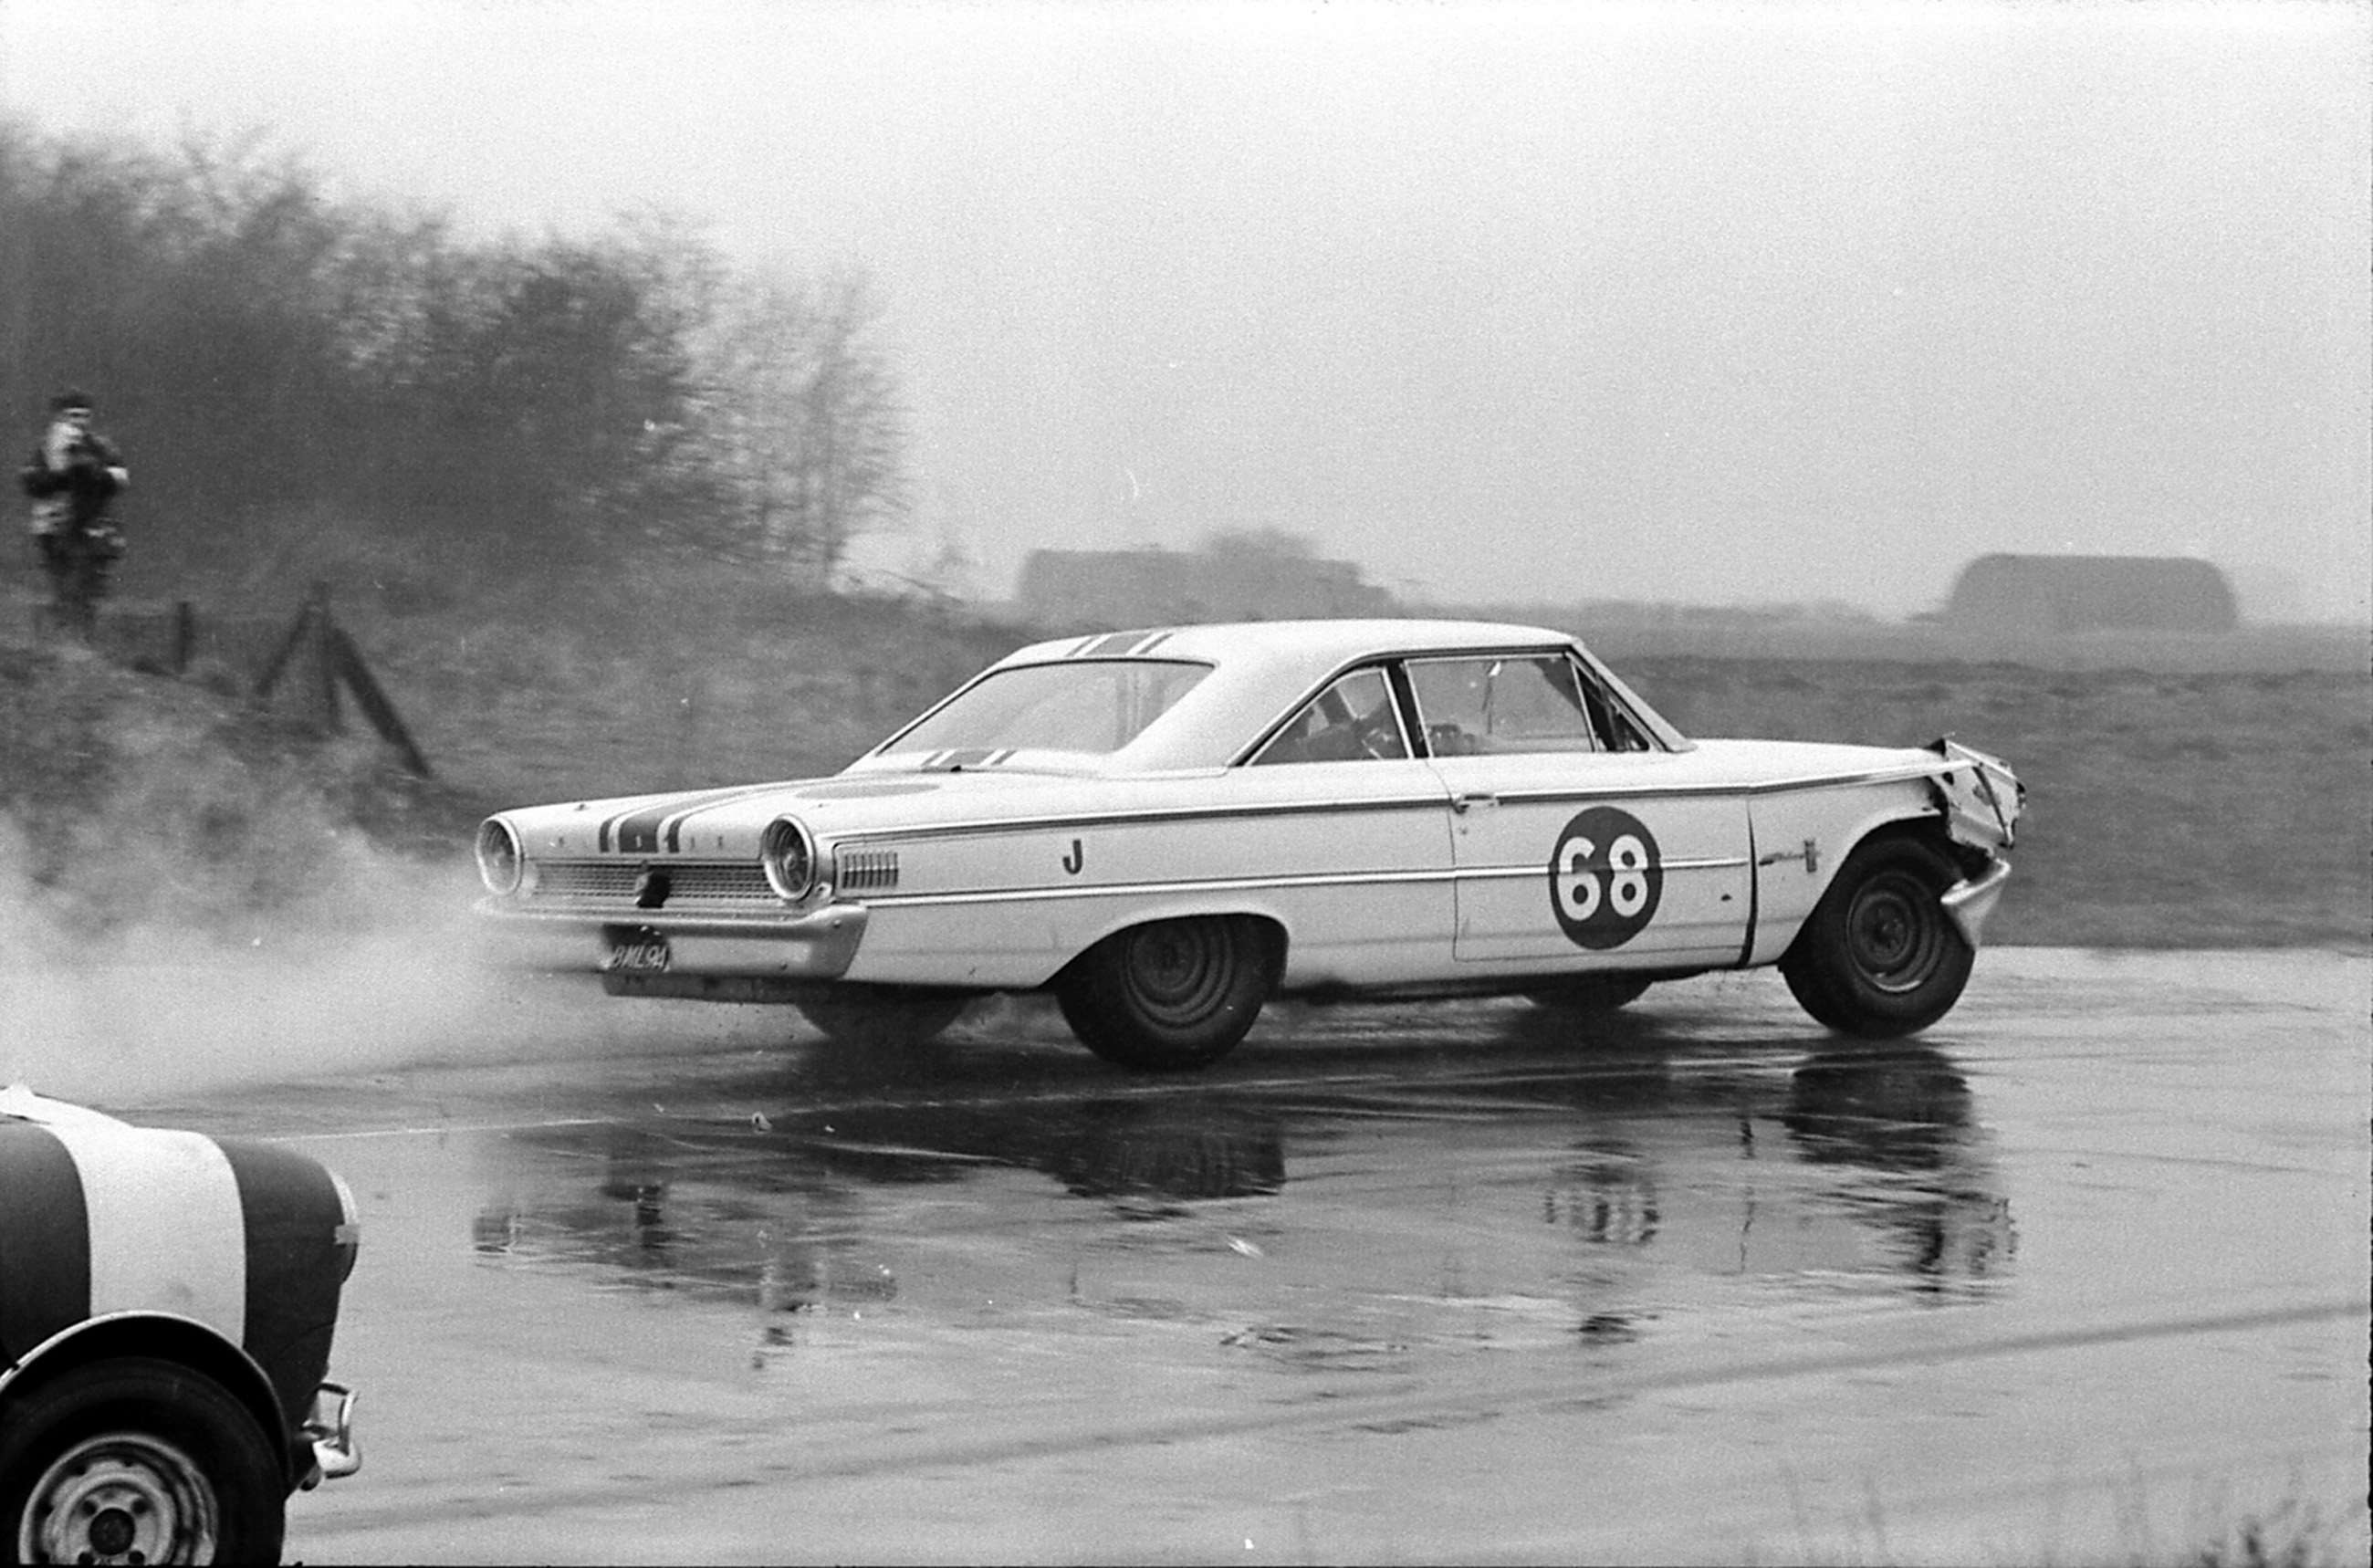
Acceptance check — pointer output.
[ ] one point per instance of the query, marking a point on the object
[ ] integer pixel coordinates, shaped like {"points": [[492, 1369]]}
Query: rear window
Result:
{"points": [[1082, 704]]}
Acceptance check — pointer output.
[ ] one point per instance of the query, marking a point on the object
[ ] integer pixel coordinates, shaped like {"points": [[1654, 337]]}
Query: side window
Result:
{"points": [[1616, 728], [1517, 703], [1351, 720]]}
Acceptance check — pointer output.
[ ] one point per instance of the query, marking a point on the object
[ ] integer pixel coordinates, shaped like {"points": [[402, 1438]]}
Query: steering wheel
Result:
{"points": [[1378, 737]]}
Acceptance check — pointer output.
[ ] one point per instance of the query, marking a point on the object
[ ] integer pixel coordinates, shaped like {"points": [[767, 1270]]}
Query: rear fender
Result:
{"points": [[1181, 907]]}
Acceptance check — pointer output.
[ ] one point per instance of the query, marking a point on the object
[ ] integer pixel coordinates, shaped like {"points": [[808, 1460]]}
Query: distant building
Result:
{"points": [[1116, 589], [2084, 593]]}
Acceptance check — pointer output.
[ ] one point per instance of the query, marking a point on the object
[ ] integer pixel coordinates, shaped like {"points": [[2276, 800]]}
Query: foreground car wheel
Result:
{"points": [[1879, 956], [1171, 995], [1586, 998], [136, 1460], [883, 1016]]}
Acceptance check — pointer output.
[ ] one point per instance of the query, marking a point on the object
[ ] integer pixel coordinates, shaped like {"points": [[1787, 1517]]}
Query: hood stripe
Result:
{"points": [[638, 832], [676, 824], [167, 1233], [44, 1240]]}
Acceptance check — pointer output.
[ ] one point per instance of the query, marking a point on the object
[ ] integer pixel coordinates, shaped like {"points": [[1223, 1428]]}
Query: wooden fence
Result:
{"points": [[308, 665]]}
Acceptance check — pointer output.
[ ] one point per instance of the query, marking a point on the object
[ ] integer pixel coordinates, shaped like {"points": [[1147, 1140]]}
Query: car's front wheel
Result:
{"points": [[136, 1460], [1171, 995], [1879, 956], [882, 1017]]}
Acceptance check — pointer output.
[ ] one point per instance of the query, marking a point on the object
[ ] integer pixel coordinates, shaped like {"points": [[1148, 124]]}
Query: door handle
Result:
{"points": [[1472, 800]]}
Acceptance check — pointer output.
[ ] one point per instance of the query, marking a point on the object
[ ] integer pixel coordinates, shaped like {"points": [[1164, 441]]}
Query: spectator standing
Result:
{"points": [[74, 475]]}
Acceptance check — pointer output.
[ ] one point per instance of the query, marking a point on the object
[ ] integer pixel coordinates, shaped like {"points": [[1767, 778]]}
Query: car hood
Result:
{"points": [[1779, 763], [1979, 796]]}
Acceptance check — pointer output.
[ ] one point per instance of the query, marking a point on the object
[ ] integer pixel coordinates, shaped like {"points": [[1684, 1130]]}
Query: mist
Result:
{"points": [[1704, 304], [212, 922], [387, 976]]}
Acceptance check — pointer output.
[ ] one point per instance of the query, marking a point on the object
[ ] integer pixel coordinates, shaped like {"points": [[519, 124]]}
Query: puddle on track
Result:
{"points": [[2080, 1274]]}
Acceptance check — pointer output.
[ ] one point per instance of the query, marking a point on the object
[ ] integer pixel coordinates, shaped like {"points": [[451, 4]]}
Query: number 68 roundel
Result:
{"points": [[1605, 878]]}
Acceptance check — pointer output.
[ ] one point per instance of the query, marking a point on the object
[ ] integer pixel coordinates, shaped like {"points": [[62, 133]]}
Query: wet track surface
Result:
{"points": [[2078, 1276]]}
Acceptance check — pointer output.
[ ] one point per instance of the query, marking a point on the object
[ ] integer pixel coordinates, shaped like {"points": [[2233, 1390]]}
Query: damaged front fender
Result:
{"points": [[1979, 797]]}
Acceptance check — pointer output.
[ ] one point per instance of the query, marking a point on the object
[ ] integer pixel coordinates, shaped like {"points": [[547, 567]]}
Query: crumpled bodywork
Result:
{"points": [[1979, 796]]}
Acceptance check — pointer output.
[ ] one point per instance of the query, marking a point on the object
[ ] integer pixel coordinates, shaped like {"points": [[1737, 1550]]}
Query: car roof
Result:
{"points": [[1262, 669], [1314, 646]]}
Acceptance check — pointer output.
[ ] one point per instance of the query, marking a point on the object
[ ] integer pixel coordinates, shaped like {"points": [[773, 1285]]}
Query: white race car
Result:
{"points": [[1166, 828]]}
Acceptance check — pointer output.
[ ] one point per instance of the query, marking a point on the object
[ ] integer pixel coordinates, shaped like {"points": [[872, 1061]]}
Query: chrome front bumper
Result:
{"points": [[330, 1428], [1970, 902], [817, 945]]}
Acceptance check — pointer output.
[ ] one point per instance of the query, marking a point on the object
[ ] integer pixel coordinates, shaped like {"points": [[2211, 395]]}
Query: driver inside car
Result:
{"points": [[1351, 720]]}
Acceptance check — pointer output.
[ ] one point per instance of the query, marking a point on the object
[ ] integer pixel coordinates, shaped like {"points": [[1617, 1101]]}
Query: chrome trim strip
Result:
{"points": [[1152, 815], [1149, 889], [1908, 774], [1147, 816], [1703, 864]]}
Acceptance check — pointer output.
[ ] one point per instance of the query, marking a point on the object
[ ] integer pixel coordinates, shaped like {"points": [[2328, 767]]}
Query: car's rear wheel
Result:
{"points": [[883, 1016], [1172, 995], [1592, 996], [1878, 956], [137, 1460]]}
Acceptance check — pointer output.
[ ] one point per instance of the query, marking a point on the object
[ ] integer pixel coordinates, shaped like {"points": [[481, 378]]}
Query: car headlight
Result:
{"points": [[502, 862], [788, 854]]}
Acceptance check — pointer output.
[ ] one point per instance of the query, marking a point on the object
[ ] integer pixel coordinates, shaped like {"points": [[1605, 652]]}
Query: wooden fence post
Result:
{"points": [[321, 686], [330, 657]]}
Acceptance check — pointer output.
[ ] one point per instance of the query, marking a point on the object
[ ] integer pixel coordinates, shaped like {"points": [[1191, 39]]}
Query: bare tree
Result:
{"points": [[808, 415]]}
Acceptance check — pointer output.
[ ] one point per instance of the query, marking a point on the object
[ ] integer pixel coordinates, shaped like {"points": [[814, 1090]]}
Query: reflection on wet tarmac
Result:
{"points": [[1632, 1179], [1395, 1283]]}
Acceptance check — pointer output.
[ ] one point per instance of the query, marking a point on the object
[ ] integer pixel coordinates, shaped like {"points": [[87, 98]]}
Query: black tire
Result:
{"points": [[1878, 956], [138, 1456], [883, 1017], [1172, 995], [1591, 997]]}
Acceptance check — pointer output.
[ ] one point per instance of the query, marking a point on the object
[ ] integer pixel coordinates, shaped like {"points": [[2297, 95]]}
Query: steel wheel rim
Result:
{"points": [[1179, 974], [120, 1497], [1894, 932]]}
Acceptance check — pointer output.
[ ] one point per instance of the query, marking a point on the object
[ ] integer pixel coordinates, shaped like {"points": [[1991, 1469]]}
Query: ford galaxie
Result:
{"points": [[1166, 828]]}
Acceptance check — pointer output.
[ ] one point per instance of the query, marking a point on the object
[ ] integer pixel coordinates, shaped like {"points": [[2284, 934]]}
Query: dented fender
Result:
{"points": [[1979, 797]]}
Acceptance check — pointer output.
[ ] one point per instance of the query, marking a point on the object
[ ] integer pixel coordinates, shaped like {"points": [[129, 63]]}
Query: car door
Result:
{"points": [[1354, 838], [1578, 843]]}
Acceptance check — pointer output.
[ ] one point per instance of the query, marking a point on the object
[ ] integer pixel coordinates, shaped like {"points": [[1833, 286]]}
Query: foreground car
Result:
{"points": [[167, 1302], [1166, 828]]}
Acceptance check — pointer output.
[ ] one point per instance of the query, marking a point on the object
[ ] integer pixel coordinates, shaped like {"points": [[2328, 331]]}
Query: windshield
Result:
{"points": [[1083, 705]]}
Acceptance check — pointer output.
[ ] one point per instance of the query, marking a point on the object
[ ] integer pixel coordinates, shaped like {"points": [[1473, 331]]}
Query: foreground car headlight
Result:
{"points": [[788, 854], [502, 862]]}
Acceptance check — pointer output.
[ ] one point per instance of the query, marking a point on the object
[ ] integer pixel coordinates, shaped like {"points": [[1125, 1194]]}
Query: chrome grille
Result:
{"points": [[698, 885]]}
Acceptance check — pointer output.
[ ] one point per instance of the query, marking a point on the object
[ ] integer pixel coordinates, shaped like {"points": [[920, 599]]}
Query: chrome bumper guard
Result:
{"points": [[330, 1427], [1969, 903]]}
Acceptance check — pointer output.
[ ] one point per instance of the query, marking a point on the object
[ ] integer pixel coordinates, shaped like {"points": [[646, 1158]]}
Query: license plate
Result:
{"points": [[637, 953]]}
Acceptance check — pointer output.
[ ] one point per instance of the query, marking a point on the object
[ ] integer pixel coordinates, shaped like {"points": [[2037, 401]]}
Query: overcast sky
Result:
{"points": [[1543, 301]]}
